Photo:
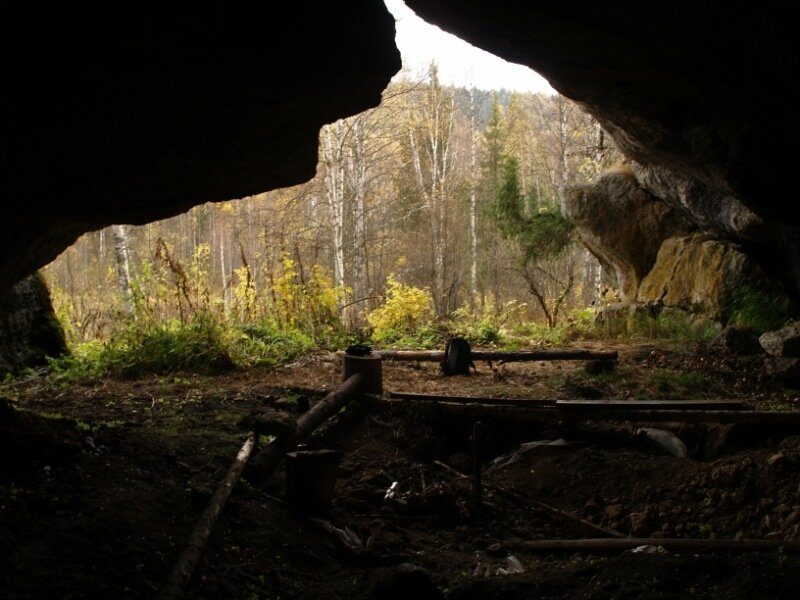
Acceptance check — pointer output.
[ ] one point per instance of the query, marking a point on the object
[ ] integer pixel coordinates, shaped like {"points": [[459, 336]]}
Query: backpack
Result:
{"points": [[457, 357]]}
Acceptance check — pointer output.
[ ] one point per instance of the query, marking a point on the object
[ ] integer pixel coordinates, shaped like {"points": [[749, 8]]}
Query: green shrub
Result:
{"points": [[757, 308], [265, 343]]}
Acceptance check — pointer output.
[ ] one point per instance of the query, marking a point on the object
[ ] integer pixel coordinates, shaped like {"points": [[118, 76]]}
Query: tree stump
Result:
{"points": [[370, 367]]}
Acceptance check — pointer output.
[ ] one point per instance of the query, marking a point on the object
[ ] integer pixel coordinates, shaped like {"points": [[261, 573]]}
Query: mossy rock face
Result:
{"points": [[702, 275], [29, 329]]}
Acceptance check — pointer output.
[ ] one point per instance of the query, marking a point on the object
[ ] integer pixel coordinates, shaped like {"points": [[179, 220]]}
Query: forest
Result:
{"points": [[437, 212]]}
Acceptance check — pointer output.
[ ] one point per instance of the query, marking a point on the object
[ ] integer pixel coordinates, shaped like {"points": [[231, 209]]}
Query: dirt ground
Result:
{"points": [[101, 483]]}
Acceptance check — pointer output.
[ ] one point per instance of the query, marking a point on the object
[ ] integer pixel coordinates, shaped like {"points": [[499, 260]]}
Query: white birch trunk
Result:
{"points": [[473, 216], [122, 260]]}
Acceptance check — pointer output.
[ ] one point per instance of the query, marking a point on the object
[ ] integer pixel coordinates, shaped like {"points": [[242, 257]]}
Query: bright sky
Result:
{"points": [[459, 63]]}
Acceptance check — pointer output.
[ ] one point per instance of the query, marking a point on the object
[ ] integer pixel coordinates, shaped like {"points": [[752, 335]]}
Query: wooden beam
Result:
{"points": [[650, 404], [744, 417], [415, 397], [264, 463], [617, 545]]}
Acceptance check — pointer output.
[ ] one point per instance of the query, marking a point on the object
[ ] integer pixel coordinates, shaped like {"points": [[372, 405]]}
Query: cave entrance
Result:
{"points": [[424, 202]]}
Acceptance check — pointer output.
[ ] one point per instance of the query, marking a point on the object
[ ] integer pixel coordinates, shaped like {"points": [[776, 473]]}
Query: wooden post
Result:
{"points": [[370, 367], [477, 434]]}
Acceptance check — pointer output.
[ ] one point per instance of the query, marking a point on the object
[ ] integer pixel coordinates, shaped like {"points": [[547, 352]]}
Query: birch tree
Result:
{"points": [[431, 151], [122, 261]]}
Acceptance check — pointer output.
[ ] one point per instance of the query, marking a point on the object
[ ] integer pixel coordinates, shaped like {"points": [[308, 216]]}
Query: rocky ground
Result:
{"points": [[101, 482]]}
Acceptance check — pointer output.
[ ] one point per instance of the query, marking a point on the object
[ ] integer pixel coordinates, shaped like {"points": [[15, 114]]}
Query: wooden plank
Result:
{"points": [[415, 397], [617, 545], [745, 417], [651, 404], [635, 415]]}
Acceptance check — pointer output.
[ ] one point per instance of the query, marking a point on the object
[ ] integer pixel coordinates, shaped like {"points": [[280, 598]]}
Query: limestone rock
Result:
{"points": [[784, 342], [29, 329], [623, 226], [699, 274]]}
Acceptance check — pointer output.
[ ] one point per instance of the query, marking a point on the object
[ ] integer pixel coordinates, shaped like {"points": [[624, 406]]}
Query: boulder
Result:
{"points": [[29, 329], [784, 371], [622, 225], [700, 274], [783, 342], [741, 340]]}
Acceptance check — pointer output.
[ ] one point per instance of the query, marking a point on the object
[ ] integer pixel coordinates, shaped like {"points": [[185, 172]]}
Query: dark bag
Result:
{"points": [[457, 357]]}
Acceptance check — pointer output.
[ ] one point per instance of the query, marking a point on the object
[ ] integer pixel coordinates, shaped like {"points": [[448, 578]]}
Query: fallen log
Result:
{"points": [[187, 562], [617, 545], [502, 356], [264, 463]]}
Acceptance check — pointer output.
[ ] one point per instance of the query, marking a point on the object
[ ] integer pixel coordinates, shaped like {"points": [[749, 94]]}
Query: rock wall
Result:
{"points": [[128, 113], [29, 329], [699, 274], [623, 225], [674, 251]]}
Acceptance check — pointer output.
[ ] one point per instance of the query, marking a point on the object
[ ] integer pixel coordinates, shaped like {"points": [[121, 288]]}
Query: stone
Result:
{"points": [[740, 340], [460, 462], [598, 212], [29, 329], [784, 342], [784, 371], [403, 582], [640, 522], [613, 511], [700, 274]]}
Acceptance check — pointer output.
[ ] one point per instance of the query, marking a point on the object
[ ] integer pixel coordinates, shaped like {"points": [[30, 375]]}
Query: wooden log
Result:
{"points": [[414, 397], [502, 356], [544, 355], [370, 367], [412, 355], [650, 404], [617, 545], [264, 463], [187, 562]]}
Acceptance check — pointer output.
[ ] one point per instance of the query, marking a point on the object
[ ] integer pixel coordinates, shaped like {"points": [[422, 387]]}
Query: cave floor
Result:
{"points": [[101, 482]]}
